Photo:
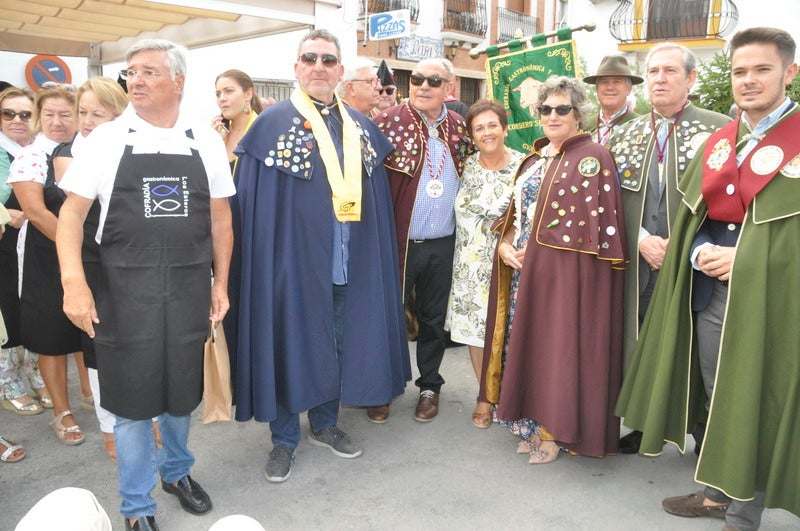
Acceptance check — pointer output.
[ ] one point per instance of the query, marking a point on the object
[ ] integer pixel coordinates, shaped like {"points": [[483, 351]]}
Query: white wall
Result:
{"points": [[783, 14]]}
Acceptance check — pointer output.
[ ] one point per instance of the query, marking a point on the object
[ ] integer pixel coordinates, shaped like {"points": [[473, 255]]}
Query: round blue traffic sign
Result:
{"points": [[44, 68]]}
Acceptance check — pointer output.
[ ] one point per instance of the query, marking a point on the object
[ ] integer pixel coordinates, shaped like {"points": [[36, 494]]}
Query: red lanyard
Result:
{"points": [[428, 157], [662, 148], [609, 127]]}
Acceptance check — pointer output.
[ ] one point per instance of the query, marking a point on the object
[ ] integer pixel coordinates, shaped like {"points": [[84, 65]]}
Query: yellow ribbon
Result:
{"points": [[346, 187]]}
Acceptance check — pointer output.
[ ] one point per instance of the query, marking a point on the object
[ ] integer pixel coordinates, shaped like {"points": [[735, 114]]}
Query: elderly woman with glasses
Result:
{"points": [[45, 329], [16, 110], [555, 315]]}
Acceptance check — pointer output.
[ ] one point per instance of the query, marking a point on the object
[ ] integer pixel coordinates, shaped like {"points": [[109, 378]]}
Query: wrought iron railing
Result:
{"points": [[648, 20], [509, 21], [379, 6], [468, 16]]}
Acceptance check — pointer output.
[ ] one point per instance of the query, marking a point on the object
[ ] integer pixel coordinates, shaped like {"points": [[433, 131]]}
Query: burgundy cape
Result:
{"points": [[564, 360], [404, 164]]}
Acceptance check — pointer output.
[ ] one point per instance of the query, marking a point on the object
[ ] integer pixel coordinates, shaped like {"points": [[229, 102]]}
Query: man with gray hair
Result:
{"points": [[359, 85], [424, 171], [614, 82], [652, 152], [163, 185]]}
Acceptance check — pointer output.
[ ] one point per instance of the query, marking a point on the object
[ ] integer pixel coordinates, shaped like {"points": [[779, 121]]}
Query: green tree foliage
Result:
{"points": [[713, 88]]}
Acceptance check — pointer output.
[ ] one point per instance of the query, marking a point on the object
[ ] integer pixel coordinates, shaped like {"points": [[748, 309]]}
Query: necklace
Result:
{"points": [[435, 187], [661, 149]]}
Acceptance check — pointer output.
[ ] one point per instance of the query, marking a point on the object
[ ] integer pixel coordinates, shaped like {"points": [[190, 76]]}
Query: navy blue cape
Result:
{"points": [[280, 327]]}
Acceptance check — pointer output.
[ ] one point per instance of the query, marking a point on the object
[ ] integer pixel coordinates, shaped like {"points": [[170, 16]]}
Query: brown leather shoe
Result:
{"points": [[692, 506], [427, 406], [378, 414]]}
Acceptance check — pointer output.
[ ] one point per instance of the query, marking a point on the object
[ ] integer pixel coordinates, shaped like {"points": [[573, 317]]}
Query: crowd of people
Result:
{"points": [[620, 270]]}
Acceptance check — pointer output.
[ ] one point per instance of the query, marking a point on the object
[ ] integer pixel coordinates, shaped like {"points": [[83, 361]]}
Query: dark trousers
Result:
{"points": [[429, 272], [286, 427], [743, 515]]}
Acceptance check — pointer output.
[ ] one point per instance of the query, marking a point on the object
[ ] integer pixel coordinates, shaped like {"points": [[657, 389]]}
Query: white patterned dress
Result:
{"points": [[482, 198]]}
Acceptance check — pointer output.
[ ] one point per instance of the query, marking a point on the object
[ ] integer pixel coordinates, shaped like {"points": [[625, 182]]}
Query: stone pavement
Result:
{"points": [[444, 474]]}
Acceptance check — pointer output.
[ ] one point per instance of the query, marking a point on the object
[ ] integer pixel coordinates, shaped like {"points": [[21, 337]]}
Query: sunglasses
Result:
{"points": [[388, 91], [561, 110], [69, 87], [8, 115], [310, 58], [433, 81]]}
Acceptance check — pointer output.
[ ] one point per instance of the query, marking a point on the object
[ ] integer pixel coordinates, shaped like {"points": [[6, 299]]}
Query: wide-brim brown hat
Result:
{"points": [[614, 65]]}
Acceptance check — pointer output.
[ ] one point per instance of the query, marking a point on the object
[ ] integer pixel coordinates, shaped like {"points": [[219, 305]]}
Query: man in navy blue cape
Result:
{"points": [[316, 311]]}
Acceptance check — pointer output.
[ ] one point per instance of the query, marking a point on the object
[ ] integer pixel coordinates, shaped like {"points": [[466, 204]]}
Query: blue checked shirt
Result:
{"points": [[435, 218]]}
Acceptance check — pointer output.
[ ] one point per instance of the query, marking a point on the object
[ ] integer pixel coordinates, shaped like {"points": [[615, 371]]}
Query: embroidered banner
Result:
{"points": [[515, 79]]}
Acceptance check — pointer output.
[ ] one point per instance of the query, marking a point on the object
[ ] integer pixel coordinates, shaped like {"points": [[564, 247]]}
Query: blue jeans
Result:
{"points": [[138, 459], [286, 427]]}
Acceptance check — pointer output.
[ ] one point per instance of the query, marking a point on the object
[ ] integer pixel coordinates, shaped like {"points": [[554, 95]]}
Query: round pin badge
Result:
{"points": [[792, 168], [766, 160], [434, 189]]}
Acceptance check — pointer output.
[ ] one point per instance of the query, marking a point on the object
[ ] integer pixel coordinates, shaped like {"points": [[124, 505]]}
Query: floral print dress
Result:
{"points": [[526, 195], [483, 197]]}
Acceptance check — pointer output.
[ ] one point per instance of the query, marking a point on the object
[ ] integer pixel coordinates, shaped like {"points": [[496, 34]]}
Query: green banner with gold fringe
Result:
{"points": [[514, 83]]}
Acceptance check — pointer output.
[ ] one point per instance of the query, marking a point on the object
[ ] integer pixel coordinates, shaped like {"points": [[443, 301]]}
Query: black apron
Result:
{"points": [[91, 267], [153, 295], [45, 328], [9, 277]]}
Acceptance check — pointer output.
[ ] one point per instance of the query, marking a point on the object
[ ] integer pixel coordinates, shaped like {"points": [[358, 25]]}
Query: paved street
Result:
{"points": [[445, 474]]}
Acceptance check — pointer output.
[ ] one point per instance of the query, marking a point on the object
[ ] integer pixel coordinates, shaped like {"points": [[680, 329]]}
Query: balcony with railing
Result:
{"points": [[379, 6], [700, 22], [464, 19], [509, 21]]}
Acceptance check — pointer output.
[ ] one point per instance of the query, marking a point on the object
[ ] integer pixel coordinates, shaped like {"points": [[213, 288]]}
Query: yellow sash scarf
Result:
{"points": [[346, 186]]}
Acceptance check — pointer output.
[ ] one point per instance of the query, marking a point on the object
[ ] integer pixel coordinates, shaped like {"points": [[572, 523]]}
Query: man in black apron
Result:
{"points": [[163, 189]]}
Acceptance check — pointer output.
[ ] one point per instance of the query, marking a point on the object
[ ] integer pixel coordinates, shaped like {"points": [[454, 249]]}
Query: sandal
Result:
{"points": [[482, 416], [546, 452], [12, 449], [108, 442], [87, 402], [44, 397], [62, 431], [23, 405], [528, 445]]}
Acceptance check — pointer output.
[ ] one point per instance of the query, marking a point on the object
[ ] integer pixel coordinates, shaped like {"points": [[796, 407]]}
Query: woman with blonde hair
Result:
{"points": [[99, 100]]}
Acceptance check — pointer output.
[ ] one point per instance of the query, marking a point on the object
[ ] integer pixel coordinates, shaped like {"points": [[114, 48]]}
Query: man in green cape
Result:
{"points": [[721, 333]]}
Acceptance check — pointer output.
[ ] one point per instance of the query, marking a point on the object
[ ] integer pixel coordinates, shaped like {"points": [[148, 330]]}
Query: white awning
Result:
{"points": [[104, 29]]}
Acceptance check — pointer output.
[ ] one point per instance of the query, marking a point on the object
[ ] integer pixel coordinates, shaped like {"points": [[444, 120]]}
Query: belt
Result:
{"points": [[432, 239]]}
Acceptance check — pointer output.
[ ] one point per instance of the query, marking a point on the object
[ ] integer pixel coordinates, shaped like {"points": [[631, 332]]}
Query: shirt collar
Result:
{"points": [[614, 116], [769, 120], [438, 120]]}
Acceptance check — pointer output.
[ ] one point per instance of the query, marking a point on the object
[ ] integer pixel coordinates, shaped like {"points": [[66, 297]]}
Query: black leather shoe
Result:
{"points": [[630, 443], [191, 495], [144, 523]]}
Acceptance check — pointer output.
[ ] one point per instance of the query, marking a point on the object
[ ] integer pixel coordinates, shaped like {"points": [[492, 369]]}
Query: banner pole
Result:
{"points": [[475, 52]]}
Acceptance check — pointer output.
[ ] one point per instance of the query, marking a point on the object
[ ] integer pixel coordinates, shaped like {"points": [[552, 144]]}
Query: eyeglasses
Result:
{"points": [[388, 91], [146, 74], [433, 81], [69, 87], [372, 81], [310, 58], [561, 110], [8, 115]]}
